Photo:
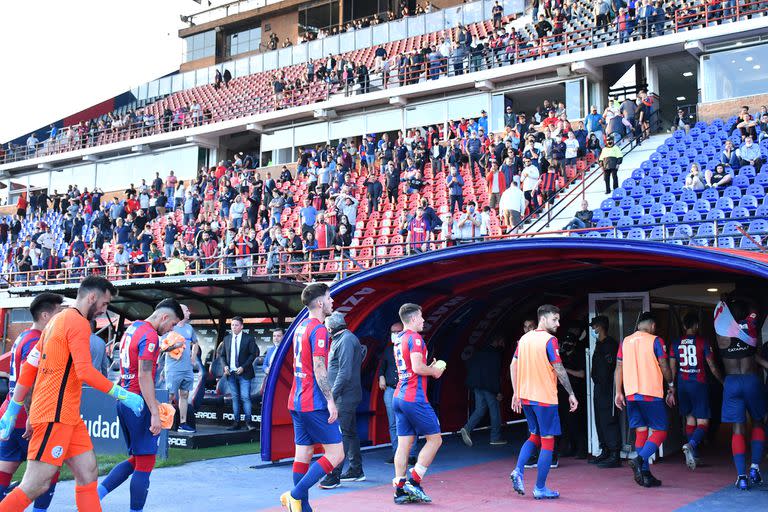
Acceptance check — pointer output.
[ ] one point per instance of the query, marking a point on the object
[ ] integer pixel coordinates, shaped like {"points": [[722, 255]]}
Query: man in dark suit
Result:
{"points": [[240, 350]]}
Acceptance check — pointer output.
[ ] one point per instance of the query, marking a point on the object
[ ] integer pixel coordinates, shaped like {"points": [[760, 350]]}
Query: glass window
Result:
{"points": [[153, 89], [315, 16], [285, 57], [425, 114], [473, 12], [452, 17], [734, 73], [416, 26], [381, 33], [241, 67], [363, 37], [316, 49], [257, 63], [242, 42], [347, 42], [165, 85], [199, 46]]}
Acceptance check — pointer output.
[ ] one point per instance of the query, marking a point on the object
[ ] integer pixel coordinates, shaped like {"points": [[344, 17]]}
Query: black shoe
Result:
{"points": [[611, 462], [353, 476], [330, 482], [649, 480], [235, 426], [600, 458], [637, 469], [389, 460]]}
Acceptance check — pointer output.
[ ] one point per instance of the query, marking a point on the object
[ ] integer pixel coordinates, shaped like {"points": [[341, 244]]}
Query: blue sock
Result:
{"points": [[646, 452], [139, 490], [305, 507], [758, 441], [115, 478], [317, 470], [542, 470], [526, 451], [698, 436], [44, 500]]}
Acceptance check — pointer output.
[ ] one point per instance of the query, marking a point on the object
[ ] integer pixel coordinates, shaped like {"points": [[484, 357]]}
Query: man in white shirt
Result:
{"points": [[512, 206], [468, 225], [32, 143], [530, 180]]}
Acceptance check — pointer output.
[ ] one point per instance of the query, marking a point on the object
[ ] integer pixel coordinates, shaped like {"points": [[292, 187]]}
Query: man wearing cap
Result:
{"points": [[344, 362], [606, 415], [482, 121]]}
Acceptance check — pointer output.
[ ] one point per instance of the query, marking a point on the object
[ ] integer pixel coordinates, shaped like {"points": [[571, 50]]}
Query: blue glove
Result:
{"points": [[131, 400], [8, 421]]}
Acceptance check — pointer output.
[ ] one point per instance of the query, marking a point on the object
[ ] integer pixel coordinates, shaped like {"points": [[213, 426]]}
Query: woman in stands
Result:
{"points": [[694, 180], [729, 157]]}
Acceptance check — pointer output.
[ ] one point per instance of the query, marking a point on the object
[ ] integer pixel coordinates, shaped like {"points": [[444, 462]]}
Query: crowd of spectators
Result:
{"points": [[236, 218]]}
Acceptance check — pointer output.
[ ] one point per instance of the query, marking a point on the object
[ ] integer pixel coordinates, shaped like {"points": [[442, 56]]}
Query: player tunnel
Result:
{"points": [[468, 293]]}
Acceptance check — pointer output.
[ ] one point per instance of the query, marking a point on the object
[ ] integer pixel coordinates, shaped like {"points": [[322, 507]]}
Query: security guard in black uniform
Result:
{"points": [[606, 415], [573, 442]]}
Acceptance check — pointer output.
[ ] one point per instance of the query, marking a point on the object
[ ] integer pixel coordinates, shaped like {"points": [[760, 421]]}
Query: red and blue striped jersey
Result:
{"points": [[139, 343], [310, 340], [410, 387], [21, 348], [690, 354], [419, 228]]}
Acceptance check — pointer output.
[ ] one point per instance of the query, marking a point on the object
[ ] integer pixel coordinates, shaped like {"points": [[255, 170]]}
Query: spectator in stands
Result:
{"points": [[719, 178], [122, 258], [595, 123], [610, 159], [468, 226], [695, 181], [746, 124], [582, 219], [497, 184], [529, 178], [227, 78], [730, 156], [749, 154], [681, 121], [512, 206], [418, 233], [373, 192], [455, 185]]}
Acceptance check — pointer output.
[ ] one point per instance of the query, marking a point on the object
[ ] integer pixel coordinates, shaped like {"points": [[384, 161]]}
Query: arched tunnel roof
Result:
{"points": [[467, 291]]}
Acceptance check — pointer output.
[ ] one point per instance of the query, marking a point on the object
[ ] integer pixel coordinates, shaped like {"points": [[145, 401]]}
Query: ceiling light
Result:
{"points": [[688, 73], [712, 290], [680, 98], [756, 66], [748, 59], [739, 43], [733, 61], [741, 69]]}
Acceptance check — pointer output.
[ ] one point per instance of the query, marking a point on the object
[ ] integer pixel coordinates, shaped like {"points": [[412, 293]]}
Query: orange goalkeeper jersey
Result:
{"points": [[64, 366]]}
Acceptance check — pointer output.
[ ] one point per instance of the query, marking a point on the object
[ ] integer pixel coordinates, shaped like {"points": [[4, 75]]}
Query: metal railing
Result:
{"points": [[244, 102], [336, 263]]}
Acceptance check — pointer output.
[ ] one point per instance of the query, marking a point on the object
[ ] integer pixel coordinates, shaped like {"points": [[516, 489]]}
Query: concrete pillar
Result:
{"points": [[651, 75]]}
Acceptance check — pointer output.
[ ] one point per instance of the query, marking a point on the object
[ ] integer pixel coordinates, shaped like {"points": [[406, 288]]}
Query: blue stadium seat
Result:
{"points": [[657, 190], [747, 170], [615, 214], [688, 196], [658, 233], [725, 204], [647, 220], [647, 201], [647, 182], [762, 178], [657, 173], [625, 222], [674, 171], [739, 213], [679, 208], [726, 242], [607, 204], [593, 234], [704, 233], [667, 180], [658, 210], [702, 206], [758, 227], [692, 216], [597, 215], [741, 181], [746, 243], [605, 223], [748, 202], [636, 234], [637, 175], [732, 192], [677, 187], [683, 231], [646, 166], [756, 190], [669, 218], [731, 228], [628, 184], [710, 194], [618, 194], [626, 203], [636, 212], [667, 199]]}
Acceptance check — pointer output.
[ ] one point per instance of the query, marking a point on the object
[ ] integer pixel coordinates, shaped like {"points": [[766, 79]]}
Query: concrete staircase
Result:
{"points": [[594, 192]]}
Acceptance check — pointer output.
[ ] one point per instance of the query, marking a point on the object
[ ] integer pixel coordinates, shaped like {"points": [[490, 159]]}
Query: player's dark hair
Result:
{"points": [[645, 317], [45, 302], [602, 321], [276, 329], [546, 309], [312, 292], [690, 320], [171, 304], [237, 319], [407, 311], [96, 284]]}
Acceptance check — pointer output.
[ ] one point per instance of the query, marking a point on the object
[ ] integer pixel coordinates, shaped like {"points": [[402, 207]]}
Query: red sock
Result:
{"points": [[415, 476], [17, 501], [325, 464], [87, 498], [5, 479], [689, 430], [535, 439], [641, 436], [658, 437]]}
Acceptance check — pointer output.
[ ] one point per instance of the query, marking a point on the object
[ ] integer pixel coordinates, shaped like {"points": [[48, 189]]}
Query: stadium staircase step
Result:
{"points": [[565, 209]]}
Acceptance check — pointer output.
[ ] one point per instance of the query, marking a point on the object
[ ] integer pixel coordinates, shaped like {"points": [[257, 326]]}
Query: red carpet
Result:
{"points": [[486, 487]]}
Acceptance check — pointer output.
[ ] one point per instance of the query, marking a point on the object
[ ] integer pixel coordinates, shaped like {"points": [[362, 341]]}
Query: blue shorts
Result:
{"points": [[313, 428], [693, 399], [651, 414], [14, 449], [543, 420], [742, 393], [139, 439], [415, 418], [175, 381]]}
